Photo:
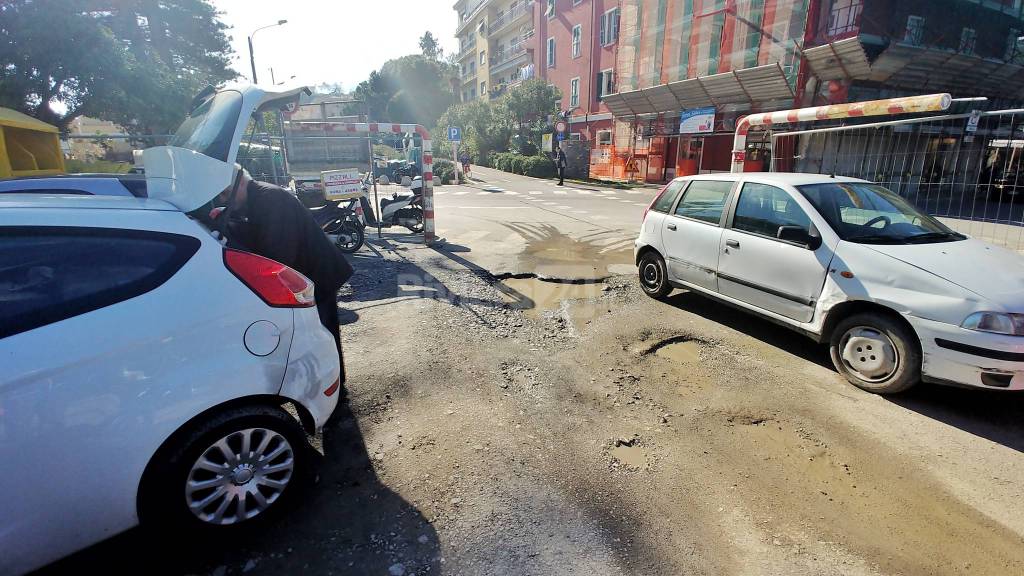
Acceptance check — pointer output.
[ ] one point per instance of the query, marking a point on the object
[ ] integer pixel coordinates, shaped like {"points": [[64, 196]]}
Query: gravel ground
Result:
{"points": [[496, 428]]}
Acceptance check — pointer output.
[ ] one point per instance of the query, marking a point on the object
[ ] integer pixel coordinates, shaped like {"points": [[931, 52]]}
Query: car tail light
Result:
{"points": [[655, 199], [277, 284]]}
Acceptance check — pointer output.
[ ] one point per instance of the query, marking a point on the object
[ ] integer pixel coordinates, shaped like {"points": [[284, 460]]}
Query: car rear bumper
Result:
{"points": [[954, 355], [314, 367]]}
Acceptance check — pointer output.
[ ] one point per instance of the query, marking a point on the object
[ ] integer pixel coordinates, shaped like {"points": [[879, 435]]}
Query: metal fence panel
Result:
{"points": [[964, 169]]}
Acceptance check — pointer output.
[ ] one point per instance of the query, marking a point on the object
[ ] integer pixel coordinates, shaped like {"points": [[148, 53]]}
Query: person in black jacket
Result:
{"points": [[269, 221]]}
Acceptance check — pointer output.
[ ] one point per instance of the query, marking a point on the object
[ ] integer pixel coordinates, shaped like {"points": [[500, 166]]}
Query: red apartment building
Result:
{"points": [[575, 47]]}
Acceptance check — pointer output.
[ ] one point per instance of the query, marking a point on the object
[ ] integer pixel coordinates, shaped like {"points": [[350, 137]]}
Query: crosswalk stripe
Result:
{"points": [[583, 192], [562, 192], [534, 192], [461, 193], [634, 191], [562, 207], [607, 191], [511, 192]]}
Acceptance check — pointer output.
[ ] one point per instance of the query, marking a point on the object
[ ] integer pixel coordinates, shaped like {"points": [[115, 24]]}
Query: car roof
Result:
{"points": [[82, 201], [119, 176], [782, 178]]}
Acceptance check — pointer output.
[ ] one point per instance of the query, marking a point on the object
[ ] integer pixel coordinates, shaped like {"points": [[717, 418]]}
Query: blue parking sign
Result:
{"points": [[454, 134]]}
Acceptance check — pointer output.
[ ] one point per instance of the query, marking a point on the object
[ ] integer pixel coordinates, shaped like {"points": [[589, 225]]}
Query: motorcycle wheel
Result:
{"points": [[350, 238], [418, 227]]}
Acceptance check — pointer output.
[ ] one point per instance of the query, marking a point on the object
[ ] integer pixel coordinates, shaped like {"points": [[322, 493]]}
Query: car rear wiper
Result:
{"points": [[926, 236]]}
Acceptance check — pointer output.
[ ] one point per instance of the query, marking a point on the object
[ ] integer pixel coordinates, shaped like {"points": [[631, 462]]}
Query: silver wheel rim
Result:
{"points": [[239, 476], [650, 276], [869, 353]]}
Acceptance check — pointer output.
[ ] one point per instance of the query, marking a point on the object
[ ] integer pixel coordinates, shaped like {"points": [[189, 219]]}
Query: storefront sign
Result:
{"points": [[697, 121], [341, 184]]}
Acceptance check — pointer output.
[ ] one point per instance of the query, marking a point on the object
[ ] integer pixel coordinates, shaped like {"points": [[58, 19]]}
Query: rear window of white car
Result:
{"points": [[668, 196], [49, 274], [705, 200]]}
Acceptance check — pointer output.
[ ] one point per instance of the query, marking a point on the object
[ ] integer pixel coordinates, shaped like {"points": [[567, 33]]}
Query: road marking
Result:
{"points": [[644, 204], [599, 217], [534, 192], [562, 207], [634, 191], [583, 192], [511, 192], [461, 193], [562, 192], [607, 191]]}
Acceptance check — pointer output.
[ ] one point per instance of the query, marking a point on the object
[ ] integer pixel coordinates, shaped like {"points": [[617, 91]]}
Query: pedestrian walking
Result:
{"points": [[465, 160], [561, 162], [269, 221]]}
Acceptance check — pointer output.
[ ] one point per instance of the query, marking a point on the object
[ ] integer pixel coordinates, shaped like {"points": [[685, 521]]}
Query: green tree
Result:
{"points": [[429, 46], [411, 89], [135, 62]]}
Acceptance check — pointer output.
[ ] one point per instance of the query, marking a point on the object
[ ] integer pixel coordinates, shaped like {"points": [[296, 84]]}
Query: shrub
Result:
{"points": [[539, 167], [516, 164], [444, 171]]}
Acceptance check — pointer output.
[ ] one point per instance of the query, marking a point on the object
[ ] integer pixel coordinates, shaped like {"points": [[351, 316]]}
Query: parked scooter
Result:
{"points": [[340, 220], [405, 210]]}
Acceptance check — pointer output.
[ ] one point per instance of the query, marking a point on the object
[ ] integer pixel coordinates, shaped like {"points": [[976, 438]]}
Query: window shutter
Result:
{"points": [[604, 28]]}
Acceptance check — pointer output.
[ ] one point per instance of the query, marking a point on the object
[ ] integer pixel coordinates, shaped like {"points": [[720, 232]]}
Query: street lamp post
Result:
{"points": [[252, 59]]}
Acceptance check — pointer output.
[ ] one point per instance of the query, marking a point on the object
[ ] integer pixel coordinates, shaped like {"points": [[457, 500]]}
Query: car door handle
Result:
{"points": [[732, 243], [671, 226]]}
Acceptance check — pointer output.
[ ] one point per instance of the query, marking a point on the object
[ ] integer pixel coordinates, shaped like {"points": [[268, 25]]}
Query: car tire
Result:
{"points": [[653, 279], [276, 468], [876, 352]]}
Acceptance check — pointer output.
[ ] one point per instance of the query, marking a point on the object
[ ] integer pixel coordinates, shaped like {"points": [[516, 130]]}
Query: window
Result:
{"points": [[550, 11], [551, 52], [472, 68], [668, 196], [705, 200], [482, 27], [610, 27], [577, 40], [55, 273], [968, 40], [483, 57], [574, 93], [576, 2], [762, 209], [845, 16], [483, 88], [575, 137], [914, 34], [1013, 46], [605, 83], [604, 137]]}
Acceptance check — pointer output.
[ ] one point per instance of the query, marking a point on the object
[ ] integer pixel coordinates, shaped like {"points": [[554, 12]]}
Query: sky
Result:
{"points": [[332, 40]]}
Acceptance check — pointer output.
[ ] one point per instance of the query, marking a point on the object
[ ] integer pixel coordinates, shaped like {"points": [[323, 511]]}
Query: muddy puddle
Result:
{"points": [[537, 297], [686, 352], [591, 256], [630, 456]]}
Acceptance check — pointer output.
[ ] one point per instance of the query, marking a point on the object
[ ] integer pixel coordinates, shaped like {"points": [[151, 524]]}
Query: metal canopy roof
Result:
{"points": [[922, 68], [844, 59], [747, 86]]}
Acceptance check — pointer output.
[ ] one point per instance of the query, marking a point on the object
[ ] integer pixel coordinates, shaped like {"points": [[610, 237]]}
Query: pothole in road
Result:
{"points": [[628, 454], [678, 350], [538, 297]]}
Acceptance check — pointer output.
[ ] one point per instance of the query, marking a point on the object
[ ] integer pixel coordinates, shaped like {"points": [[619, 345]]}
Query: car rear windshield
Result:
{"points": [[50, 274], [871, 214], [210, 128]]}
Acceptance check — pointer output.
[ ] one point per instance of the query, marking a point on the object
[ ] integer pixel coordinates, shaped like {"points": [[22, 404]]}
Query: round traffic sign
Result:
{"points": [[560, 126]]}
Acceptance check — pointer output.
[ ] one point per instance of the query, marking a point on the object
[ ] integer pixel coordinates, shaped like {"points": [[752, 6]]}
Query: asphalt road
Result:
{"points": [[519, 225]]}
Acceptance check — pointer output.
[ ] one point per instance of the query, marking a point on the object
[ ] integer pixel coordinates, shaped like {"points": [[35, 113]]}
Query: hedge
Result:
{"points": [[444, 170], [535, 166]]}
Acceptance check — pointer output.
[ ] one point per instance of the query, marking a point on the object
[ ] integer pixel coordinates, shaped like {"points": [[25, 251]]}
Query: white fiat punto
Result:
{"points": [[898, 296]]}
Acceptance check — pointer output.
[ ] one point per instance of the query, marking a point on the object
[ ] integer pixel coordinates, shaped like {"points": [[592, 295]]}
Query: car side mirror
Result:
{"points": [[800, 235]]}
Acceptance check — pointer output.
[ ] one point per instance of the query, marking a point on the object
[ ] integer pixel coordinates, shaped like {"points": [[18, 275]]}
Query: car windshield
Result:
{"points": [[210, 128], [870, 214]]}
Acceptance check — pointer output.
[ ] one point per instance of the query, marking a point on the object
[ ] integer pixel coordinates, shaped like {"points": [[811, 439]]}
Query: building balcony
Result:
{"points": [[467, 50], [504, 60], [468, 78], [508, 18]]}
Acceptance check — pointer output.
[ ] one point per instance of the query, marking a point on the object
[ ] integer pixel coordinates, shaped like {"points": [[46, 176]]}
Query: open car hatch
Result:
{"points": [[198, 163]]}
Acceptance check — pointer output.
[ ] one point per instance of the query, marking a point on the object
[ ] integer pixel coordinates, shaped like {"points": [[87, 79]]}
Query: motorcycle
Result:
{"points": [[405, 210], [341, 221]]}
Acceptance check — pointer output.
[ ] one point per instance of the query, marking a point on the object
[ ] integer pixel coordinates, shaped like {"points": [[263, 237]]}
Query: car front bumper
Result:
{"points": [[953, 355]]}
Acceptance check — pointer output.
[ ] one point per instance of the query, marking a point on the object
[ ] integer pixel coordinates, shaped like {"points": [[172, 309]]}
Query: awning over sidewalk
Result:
{"points": [[752, 86], [918, 68], [842, 60], [929, 69]]}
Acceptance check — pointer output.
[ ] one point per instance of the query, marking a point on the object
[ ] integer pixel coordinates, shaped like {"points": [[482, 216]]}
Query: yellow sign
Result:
{"points": [[631, 165], [545, 142]]}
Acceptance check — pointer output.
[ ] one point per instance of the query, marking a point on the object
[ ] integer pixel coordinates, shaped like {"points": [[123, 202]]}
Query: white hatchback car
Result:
{"points": [[897, 295], [144, 371]]}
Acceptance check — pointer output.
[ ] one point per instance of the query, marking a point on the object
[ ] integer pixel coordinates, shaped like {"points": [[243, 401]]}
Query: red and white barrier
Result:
{"points": [[383, 127], [890, 106]]}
